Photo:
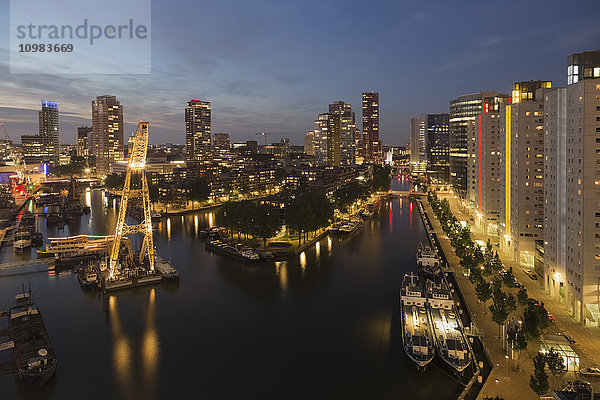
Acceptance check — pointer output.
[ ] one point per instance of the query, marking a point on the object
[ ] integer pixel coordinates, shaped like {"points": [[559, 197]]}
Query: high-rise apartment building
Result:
{"points": [[84, 136], [107, 132], [522, 189], [370, 120], [429, 146], [583, 187], [221, 140], [484, 143], [197, 129], [45, 146], [327, 140], [463, 111], [347, 132], [555, 187]]}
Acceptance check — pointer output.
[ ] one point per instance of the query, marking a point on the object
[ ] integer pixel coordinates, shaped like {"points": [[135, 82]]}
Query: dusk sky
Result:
{"points": [[274, 65]]}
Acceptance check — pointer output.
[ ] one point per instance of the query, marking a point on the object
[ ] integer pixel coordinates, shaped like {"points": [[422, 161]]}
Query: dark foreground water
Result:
{"points": [[322, 325]]}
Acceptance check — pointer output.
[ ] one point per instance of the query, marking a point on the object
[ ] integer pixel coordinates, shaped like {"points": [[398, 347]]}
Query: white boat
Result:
{"points": [[428, 259], [22, 239], [417, 335], [449, 336]]}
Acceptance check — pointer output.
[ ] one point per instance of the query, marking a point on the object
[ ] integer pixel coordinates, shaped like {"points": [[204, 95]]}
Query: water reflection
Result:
{"points": [[121, 351], [282, 272], [211, 221], [169, 228], [150, 347], [303, 263], [195, 225], [318, 249]]}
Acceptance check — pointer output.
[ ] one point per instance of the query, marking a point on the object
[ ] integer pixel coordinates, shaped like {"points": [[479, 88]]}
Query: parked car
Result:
{"points": [[569, 338], [530, 274]]}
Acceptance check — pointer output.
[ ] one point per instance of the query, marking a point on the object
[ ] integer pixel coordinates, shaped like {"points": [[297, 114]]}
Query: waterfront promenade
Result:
{"points": [[514, 384]]}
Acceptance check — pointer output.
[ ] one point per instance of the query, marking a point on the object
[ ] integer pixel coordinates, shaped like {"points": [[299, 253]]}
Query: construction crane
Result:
{"points": [[135, 170], [265, 134], [16, 157]]}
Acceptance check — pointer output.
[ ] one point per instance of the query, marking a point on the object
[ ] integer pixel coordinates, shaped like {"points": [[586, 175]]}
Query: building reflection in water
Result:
{"points": [[303, 263], [328, 245], [211, 221], [124, 364], [281, 272], [318, 250], [195, 225], [390, 205], [168, 228]]}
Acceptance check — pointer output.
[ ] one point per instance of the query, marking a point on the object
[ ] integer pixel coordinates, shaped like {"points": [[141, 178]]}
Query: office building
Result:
{"points": [[197, 129], [221, 140], [84, 136], [463, 111], [418, 144], [582, 187], [107, 132], [370, 120], [44, 147]]}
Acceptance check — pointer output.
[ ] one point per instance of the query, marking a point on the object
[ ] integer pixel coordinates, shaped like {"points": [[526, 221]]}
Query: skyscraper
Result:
{"points": [[107, 132], [347, 132], [83, 141], [370, 120], [197, 128], [43, 147], [583, 181], [463, 111], [429, 146], [327, 140], [485, 145], [418, 144], [309, 143]]}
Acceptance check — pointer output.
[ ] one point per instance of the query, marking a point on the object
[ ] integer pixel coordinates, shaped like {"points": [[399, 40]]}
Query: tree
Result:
{"points": [[499, 310], [509, 278], [522, 296], [483, 290], [114, 181], [267, 222], [555, 363], [535, 319], [539, 380], [198, 189], [517, 340]]}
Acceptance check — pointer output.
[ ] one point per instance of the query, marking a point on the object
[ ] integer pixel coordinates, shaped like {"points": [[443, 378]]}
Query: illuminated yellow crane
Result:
{"points": [[135, 170]]}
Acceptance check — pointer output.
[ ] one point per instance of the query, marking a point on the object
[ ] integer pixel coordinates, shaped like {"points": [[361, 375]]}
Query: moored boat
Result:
{"points": [[449, 336], [417, 335], [428, 260], [22, 239], [33, 353]]}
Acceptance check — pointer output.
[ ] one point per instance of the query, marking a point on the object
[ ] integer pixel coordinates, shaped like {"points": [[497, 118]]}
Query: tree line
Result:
{"points": [[483, 264]]}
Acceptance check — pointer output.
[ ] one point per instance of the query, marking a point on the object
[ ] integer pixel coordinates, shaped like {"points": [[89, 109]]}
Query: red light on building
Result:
{"points": [[480, 154], [486, 107]]}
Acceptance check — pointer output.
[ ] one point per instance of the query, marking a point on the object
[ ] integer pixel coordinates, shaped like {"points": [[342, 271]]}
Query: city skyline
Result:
{"points": [[246, 96]]}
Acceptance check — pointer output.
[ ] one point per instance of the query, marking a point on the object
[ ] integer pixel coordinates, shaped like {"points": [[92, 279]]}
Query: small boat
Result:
{"points": [[33, 353], [428, 260], [168, 273], [155, 215], [417, 335], [37, 239], [88, 278], [22, 239], [240, 253]]}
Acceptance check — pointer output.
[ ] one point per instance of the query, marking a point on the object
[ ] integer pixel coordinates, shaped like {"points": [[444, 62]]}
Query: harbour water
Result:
{"points": [[324, 324]]}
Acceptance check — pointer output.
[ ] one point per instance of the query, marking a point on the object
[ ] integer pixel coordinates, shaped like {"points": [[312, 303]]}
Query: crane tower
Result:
{"points": [[135, 188]]}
